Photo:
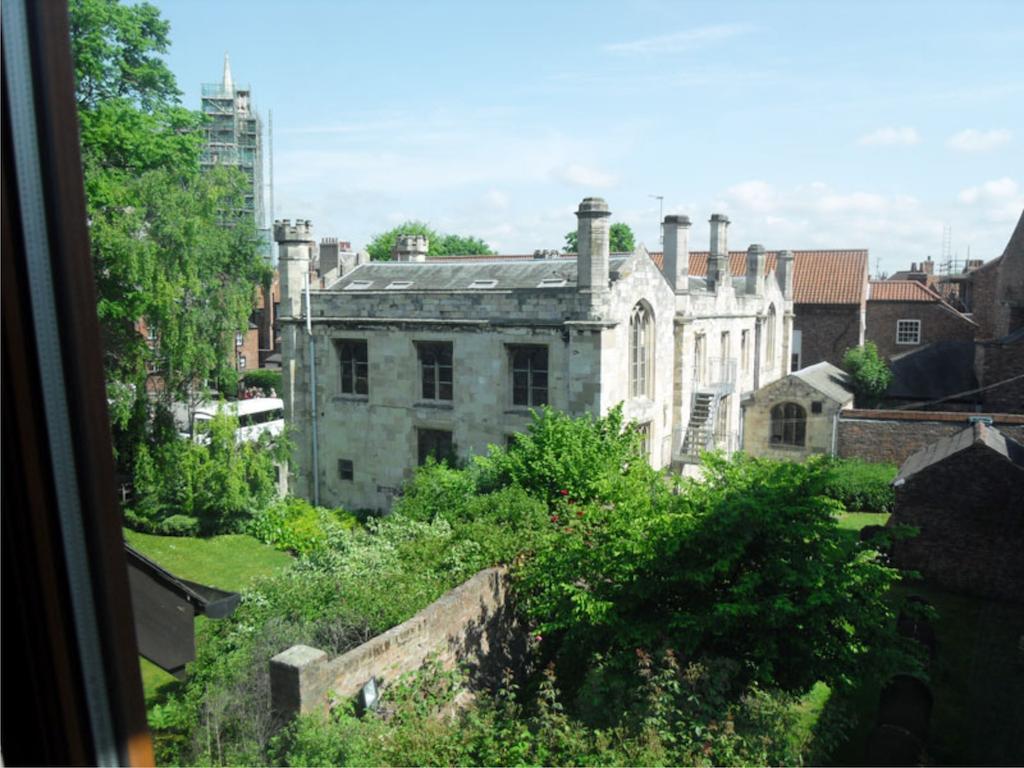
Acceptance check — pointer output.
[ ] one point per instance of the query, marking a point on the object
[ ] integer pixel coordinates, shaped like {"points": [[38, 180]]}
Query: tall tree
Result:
{"points": [[169, 245], [439, 244], [620, 239]]}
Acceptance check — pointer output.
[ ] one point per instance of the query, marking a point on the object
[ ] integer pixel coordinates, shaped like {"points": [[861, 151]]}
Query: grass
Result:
{"points": [[229, 562]]}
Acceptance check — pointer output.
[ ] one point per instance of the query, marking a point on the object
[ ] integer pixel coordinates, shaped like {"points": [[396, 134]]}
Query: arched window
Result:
{"points": [[789, 424], [769, 344], [641, 351]]}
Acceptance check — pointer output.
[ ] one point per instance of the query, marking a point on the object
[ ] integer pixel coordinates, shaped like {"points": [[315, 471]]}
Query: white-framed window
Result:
{"points": [[239, 339], [908, 331], [641, 348], [241, 361]]}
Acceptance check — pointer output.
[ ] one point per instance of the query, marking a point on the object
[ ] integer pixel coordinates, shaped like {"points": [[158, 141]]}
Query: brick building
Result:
{"points": [[994, 292], [904, 315], [418, 357], [965, 495]]}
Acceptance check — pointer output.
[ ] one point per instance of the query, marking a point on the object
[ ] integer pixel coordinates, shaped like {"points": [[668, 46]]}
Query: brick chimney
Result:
{"points": [[755, 270], [676, 266], [592, 243], [718, 258]]}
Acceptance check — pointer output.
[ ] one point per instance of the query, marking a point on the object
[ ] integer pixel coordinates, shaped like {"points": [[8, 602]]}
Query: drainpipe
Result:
{"points": [[312, 380], [835, 432]]}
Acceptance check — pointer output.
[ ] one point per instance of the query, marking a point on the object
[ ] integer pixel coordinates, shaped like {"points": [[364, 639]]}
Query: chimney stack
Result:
{"points": [[295, 252], [755, 269], [329, 254], [718, 258], [676, 267], [410, 248], [592, 244], [784, 273], [928, 266]]}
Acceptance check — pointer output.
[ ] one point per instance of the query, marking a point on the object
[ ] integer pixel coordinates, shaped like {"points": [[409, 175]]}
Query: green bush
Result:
{"points": [[861, 486], [870, 373], [179, 525], [264, 379], [295, 525]]}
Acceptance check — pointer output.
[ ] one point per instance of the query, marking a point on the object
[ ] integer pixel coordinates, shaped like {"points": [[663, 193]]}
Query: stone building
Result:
{"points": [[904, 315], [965, 495], [415, 358], [797, 415]]}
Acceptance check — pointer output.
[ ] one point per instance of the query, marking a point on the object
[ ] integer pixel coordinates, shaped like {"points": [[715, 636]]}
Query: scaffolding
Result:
{"points": [[234, 137]]}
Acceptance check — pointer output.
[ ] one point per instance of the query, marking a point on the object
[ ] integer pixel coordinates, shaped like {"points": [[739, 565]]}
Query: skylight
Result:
{"points": [[398, 285], [358, 285], [483, 284], [552, 282]]}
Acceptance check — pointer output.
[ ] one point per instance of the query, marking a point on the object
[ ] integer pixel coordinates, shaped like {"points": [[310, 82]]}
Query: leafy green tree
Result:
{"points": [[620, 239], [439, 244], [169, 245], [870, 373]]}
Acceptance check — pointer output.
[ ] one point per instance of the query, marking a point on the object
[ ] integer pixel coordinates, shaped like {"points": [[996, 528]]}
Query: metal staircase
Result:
{"points": [[718, 380]]}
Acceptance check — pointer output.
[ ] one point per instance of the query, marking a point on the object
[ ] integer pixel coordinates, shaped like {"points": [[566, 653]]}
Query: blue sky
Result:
{"points": [[812, 125]]}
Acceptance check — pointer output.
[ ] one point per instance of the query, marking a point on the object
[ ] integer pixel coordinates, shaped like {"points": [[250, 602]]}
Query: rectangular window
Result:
{"points": [[241, 361], [345, 469], [745, 350], [354, 367], [529, 375], [151, 333], [908, 331], [700, 359], [436, 443], [435, 370], [238, 339], [645, 435]]}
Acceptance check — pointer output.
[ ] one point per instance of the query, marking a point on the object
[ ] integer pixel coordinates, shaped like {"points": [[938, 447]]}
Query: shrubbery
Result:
{"points": [[295, 525], [861, 486], [665, 618], [263, 379]]}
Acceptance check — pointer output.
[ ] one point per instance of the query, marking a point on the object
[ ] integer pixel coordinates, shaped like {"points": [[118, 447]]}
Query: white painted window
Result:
{"points": [[239, 339], [908, 331]]}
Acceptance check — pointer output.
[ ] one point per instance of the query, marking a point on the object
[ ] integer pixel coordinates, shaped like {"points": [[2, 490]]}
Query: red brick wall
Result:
{"points": [[996, 363], [250, 349], [968, 510], [892, 436], [983, 299], [826, 330], [938, 323]]}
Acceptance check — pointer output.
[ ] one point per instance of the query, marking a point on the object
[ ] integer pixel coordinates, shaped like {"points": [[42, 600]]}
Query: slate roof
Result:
{"points": [[492, 274], [900, 290], [819, 277], [933, 372], [976, 434], [831, 381]]}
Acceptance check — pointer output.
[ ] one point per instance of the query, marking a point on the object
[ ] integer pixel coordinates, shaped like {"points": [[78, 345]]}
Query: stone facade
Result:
{"points": [[938, 322], [968, 506], [717, 341], [472, 625], [820, 412], [892, 436]]}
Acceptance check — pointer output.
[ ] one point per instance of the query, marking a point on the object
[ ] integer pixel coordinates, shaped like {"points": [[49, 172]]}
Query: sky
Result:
{"points": [[811, 125]]}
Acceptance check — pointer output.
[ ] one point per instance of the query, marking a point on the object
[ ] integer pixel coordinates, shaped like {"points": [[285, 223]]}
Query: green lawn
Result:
{"points": [[854, 521], [228, 562]]}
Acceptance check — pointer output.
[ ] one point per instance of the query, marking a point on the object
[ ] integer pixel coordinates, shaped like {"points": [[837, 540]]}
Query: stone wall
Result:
{"points": [[757, 420], [939, 322], [827, 331], [472, 625], [892, 436], [968, 510]]}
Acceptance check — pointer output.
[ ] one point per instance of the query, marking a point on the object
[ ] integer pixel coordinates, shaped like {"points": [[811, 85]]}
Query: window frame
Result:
{"points": [[346, 470], [641, 351], [430, 357], [915, 324], [534, 352], [432, 435], [350, 365], [788, 426]]}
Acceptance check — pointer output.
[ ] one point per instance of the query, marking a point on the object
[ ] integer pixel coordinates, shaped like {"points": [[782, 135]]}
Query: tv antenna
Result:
{"points": [[661, 217]]}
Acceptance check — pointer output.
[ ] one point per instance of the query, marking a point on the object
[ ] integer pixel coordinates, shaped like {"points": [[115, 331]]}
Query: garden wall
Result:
{"points": [[472, 625], [892, 436]]}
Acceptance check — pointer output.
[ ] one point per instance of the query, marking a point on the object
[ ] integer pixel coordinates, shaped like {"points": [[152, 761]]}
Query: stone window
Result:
{"points": [[345, 469], [700, 359], [908, 331], [644, 430], [745, 350], [435, 370], [354, 367], [641, 351], [769, 345], [436, 444], [816, 406], [529, 375], [789, 424]]}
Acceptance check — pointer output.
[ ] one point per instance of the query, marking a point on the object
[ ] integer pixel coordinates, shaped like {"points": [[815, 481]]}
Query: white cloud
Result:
{"points": [[497, 199], [755, 195], [678, 41], [995, 189], [1001, 200], [583, 176], [973, 140], [890, 137]]}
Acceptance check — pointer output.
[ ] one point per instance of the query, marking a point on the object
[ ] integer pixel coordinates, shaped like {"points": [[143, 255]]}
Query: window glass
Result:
{"points": [[908, 331], [641, 347], [436, 443], [435, 370], [354, 367], [529, 375], [789, 424]]}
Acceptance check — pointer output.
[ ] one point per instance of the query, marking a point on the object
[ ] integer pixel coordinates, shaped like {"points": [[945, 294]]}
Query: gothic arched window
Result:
{"points": [[641, 351], [789, 424]]}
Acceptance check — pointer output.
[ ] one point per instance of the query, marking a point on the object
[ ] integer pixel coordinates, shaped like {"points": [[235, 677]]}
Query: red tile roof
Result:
{"points": [[901, 290], [819, 277]]}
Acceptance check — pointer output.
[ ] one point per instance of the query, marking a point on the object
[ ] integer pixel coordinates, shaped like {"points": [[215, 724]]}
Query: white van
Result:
{"points": [[256, 416]]}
